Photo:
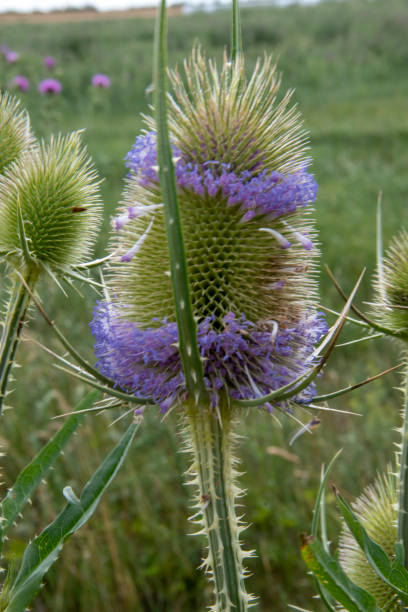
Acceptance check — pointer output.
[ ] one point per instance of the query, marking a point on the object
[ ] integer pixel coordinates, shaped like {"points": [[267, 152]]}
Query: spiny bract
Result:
{"points": [[15, 133], [376, 508], [391, 308], [49, 205], [244, 194]]}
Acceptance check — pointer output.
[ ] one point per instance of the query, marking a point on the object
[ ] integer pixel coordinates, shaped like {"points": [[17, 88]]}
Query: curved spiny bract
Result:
{"points": [[50, 209], [377, 510], [15, 132]]}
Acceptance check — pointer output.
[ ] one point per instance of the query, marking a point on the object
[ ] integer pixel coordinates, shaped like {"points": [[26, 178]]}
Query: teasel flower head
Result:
{"points": [[49, 205], [376, 509], [391, 284], [15, 132], [245, 197]]}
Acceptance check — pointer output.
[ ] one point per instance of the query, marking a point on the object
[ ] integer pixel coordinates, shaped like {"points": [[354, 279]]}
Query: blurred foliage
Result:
{"points": [[347, 61]]}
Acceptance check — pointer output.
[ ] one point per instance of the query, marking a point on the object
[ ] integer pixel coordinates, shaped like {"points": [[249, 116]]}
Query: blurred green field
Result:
{"points": [[348, 62]]}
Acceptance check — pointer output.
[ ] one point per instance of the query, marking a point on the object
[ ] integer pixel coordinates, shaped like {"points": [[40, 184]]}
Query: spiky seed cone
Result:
{"points": [[224, 120], [391, 309], [245, 205], [15, 133], [376, 508], [55, 188]]}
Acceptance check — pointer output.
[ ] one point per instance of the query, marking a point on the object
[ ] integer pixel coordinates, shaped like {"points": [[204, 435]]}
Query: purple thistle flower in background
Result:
{"points": [[50, 86], [49, 62], [21, 82], [11, 56], [245, 196], [101, 80]]}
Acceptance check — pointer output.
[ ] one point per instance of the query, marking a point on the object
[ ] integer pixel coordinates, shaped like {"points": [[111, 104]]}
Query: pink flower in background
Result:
{"points": [[11, 56], [4, 49], [49, 62], [21, 82], [50, 86], [101, 80]]}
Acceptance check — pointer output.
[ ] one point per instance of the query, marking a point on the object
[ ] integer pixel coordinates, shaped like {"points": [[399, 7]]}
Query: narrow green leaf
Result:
{"points": [[392, 573], [34, 472], [187, 331], [43, 551], [236, 42], [330, 573]]}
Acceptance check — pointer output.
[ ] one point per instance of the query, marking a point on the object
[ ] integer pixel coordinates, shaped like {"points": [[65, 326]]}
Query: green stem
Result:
{"points": [[236, 36], [13, 325], [402, 521], [211, 439], [186, 325]]}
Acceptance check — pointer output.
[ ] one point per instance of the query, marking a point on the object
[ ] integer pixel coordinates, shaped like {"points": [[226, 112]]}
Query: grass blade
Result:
{"points": [[319, 512], [187, 331], [43, 551]]}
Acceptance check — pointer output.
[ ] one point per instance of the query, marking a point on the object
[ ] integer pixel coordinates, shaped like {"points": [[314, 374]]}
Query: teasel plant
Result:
{"points": [[210, 303], [50, 212], [370, 571]]}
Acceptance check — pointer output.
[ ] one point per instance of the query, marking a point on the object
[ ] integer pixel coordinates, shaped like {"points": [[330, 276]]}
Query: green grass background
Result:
{"points": [[348, 62]]}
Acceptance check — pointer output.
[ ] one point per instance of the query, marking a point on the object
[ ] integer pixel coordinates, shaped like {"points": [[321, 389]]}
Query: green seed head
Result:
{"points": [[392, 288], [15, 133], [376, 508], [220, 121], [50, 208]]}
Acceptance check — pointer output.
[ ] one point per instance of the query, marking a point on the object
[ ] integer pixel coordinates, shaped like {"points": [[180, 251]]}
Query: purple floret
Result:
{"points": [[265, 193], [241, 359]]}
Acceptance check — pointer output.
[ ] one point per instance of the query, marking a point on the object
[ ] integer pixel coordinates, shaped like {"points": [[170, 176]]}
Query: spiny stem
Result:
{"points": [[13, 324], [402, 521], [211, 439]]}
